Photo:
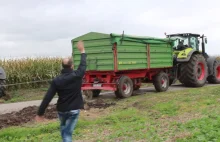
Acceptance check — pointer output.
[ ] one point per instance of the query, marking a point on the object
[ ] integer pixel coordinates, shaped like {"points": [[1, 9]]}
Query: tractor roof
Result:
{"points": [[184, 34]]}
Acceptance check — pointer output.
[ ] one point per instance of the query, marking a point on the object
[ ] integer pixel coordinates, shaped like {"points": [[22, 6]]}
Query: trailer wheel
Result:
{"points": [[95, 93], [161, 82], [87, 94], [215, 78], [125, 87]]}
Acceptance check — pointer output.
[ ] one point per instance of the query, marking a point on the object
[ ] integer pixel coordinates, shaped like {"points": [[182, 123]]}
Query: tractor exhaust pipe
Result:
{"points": [[203, 46]]}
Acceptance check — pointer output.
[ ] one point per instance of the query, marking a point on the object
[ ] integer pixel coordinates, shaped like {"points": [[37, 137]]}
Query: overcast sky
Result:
{"points": [[45, 27]]}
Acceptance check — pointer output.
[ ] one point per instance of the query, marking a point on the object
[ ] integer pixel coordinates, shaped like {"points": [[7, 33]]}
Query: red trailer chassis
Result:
{"points": [[107, 80]]}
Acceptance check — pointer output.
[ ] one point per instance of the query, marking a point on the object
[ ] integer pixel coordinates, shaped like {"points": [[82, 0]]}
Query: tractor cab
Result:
{"points": [[188, 40], [185, 40]]}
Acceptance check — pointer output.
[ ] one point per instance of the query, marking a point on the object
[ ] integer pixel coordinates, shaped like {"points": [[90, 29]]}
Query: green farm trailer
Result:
{"points": [[120, 62]]}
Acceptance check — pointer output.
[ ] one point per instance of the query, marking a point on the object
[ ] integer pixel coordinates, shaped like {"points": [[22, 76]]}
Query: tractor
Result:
{"points": [[192, 66], [2, 82]]}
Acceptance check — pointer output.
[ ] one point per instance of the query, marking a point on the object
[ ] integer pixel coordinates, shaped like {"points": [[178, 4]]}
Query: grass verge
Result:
{"points": [[189, 115]]}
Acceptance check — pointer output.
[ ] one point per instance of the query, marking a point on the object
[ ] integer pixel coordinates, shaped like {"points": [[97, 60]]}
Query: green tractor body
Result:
{"points": [[192, 65]]}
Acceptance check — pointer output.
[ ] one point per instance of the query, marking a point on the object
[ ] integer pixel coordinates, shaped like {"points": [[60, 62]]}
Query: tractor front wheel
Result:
{"points": [[194, 73]]}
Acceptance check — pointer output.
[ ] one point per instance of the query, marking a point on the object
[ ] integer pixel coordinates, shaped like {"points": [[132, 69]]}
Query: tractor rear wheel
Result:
{"points": [[215, 77], [194, 73], [125, 87]]}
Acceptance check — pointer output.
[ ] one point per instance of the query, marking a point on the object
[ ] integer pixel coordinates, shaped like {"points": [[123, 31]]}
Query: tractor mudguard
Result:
{"points": [[185, 55], [210, 63]]}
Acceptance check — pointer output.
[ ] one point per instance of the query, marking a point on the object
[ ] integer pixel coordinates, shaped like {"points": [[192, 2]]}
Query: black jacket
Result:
{"points": [[68, 87]]}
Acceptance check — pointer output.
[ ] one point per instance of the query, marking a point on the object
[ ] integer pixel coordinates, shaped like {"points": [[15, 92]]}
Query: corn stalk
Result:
{"points": [[28, 70]]}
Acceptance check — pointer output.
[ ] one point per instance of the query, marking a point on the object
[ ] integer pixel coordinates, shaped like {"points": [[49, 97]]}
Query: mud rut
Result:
{"points": [[27, 114]]}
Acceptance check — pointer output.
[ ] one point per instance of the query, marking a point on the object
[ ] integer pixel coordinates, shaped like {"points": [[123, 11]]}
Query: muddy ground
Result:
{"points": [[27, 114]]}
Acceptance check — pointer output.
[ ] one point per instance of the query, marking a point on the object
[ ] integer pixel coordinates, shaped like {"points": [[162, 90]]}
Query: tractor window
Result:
{"points": [[183, 41], [193, 42]]}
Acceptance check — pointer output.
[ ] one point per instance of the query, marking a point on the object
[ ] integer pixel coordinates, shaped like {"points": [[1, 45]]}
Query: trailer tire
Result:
{"points": [[95, 93], [161, 82], [215, 77], [87, 94], [124, 88]]}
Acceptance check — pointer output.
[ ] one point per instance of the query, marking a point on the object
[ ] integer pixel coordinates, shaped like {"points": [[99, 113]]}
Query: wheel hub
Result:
{"points": [[164, 83], [199, 71], [126, 88]]}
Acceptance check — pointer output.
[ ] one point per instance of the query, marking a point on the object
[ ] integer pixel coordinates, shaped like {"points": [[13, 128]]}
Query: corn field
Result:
{"points": [[29, 70]]}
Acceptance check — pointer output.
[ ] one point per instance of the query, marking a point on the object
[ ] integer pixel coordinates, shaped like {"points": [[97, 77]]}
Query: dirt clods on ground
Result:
{"points": [[25, 115], [28, 114], [99, 103]]}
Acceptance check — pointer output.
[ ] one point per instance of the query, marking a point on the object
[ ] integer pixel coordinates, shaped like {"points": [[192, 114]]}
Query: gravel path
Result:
{"points": [[6, 108]]}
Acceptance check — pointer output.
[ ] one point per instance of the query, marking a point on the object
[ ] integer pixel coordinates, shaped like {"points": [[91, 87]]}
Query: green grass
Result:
{"points": [[26, 95], [167, 108], [39, 132], [204, 129], [189, 115]]}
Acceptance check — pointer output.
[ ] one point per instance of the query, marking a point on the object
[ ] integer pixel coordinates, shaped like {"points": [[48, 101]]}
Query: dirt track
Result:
{"points": [[27, 114], [7, 108]]}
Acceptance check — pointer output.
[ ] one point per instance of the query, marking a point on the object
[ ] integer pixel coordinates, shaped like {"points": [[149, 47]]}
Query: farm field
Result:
{"points": [[189, 115], [30, 73]]}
